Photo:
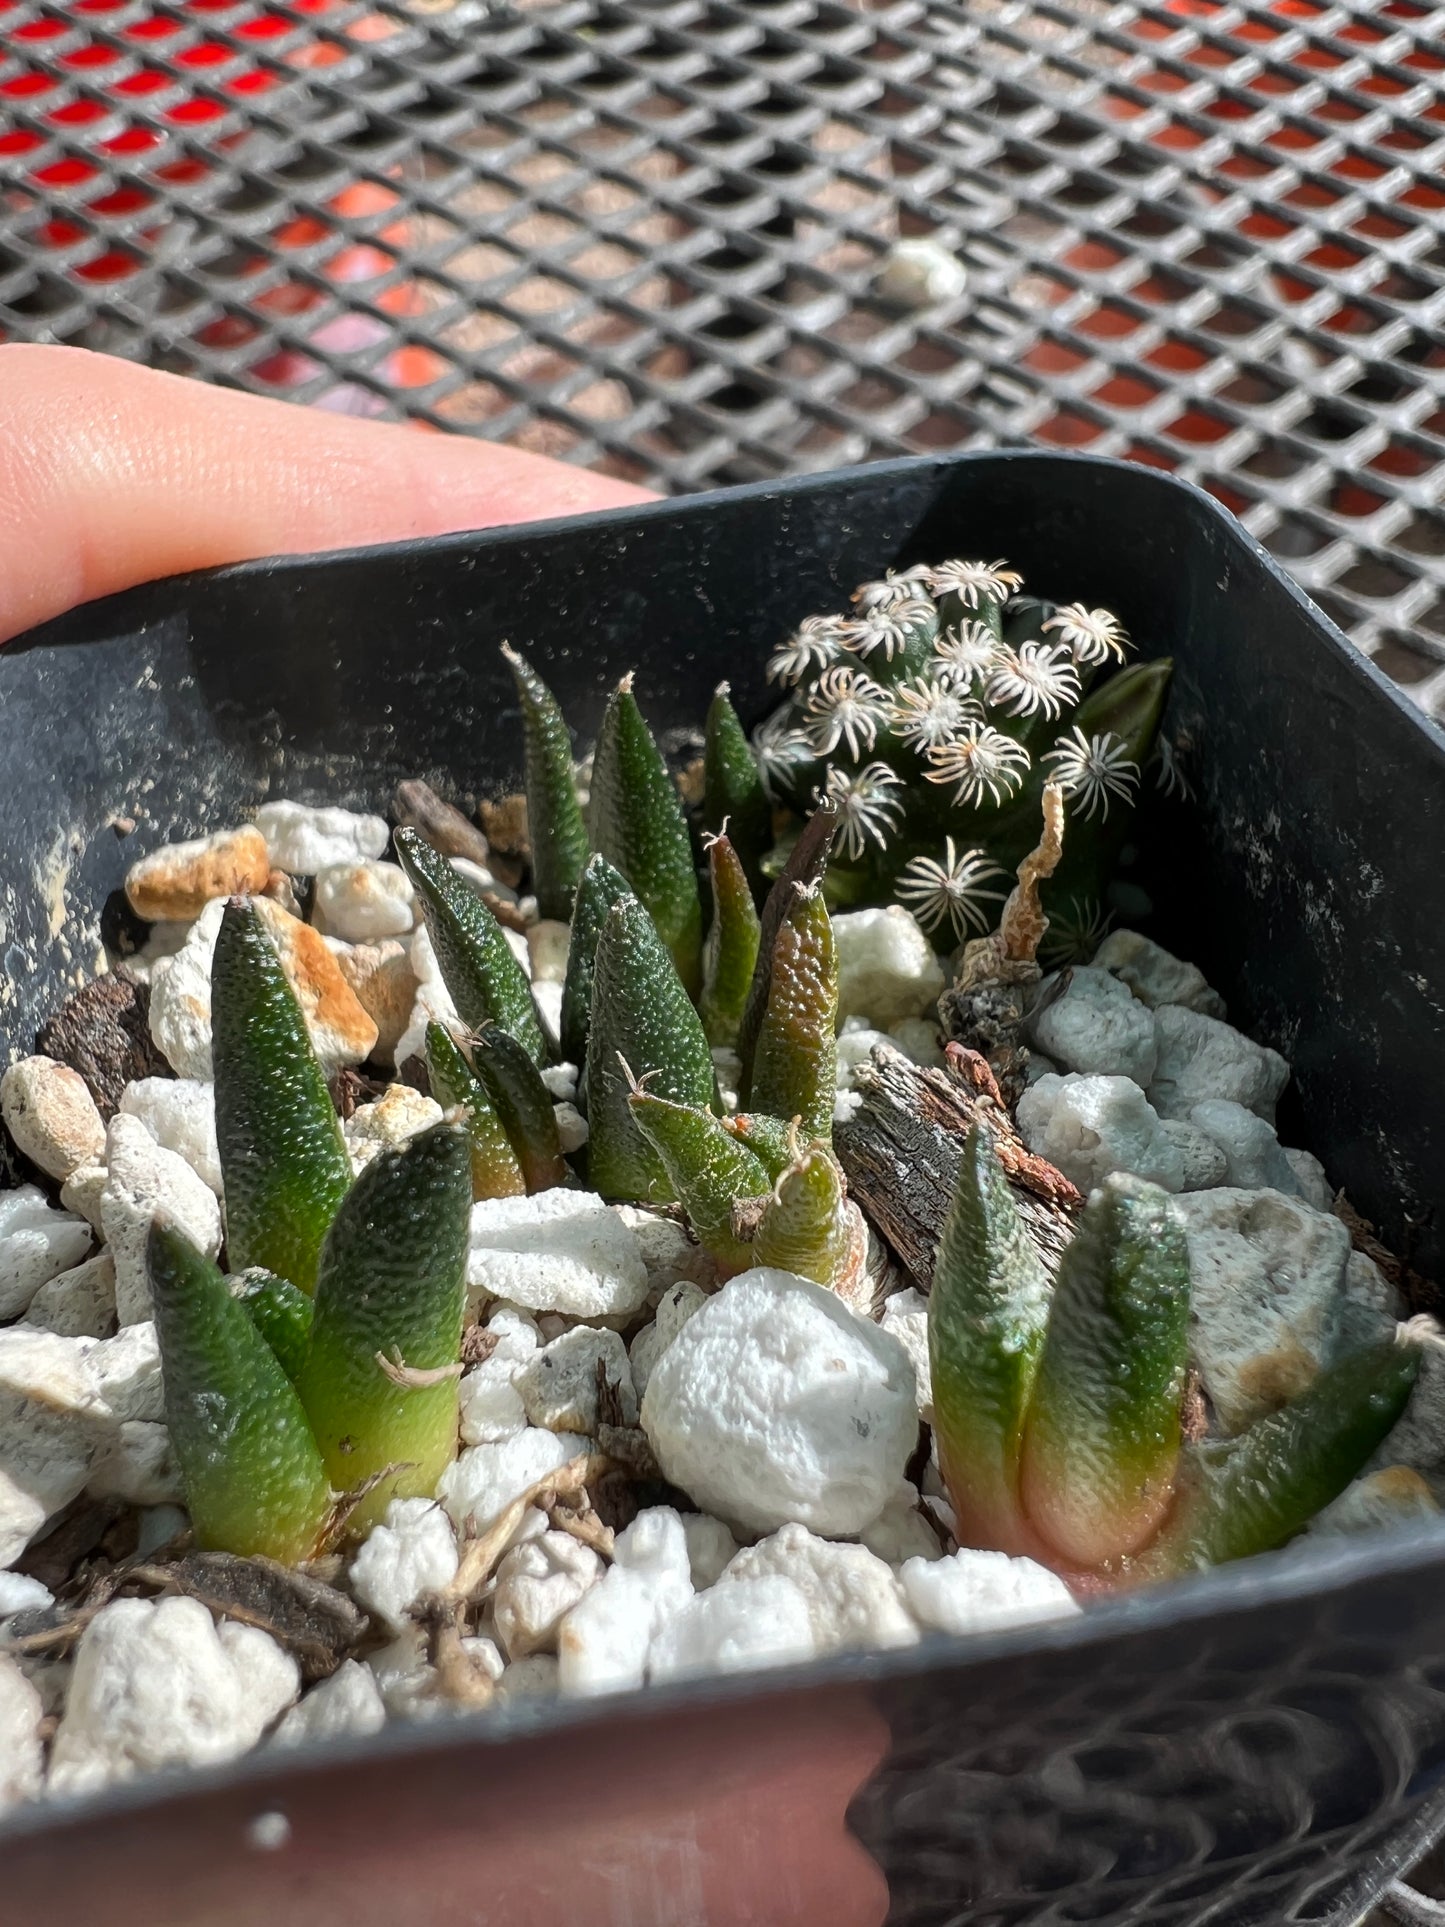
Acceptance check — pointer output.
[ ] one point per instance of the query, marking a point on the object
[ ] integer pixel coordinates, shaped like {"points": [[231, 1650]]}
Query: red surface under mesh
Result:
{"points": [[646, 237]]}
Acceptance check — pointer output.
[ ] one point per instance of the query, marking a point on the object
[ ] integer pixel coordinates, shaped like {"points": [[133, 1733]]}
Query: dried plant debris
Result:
{"points": [[685, 1223]]}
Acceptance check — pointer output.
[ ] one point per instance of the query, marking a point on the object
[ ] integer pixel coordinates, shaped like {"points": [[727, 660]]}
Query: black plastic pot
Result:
{"points": [[1266, 1743]]}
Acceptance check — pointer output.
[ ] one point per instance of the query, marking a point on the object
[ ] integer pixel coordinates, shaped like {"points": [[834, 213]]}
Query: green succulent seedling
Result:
{"points": [[280, 1312], [642, 1019], [639, 826], [733, 798], [555, 829], [379, 1383], [523, 1104], [483, 978], [599, 887], [807, 1226], [283, 1158], [496, 1168], [794, 1064], [709, 1169], [254, 1479], [730, 954]]}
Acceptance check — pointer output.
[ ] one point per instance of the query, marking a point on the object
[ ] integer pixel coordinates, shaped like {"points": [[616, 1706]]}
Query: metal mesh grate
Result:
{"points": [[647, 237]]}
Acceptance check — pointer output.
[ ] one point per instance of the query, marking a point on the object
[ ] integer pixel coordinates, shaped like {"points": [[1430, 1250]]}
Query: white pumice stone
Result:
{"points": [[1040, 1066], [1199, 1058], [52, 1420], [136, 1464], [384, 984], [558, 1385], [144, 1181], [404, 1679], [776, 1404], [346, 1705], [1154, 975], [846, 1106], [513, 1332], [306, 840], [604, 1641], [19, 1593], [561, 1082], [364, 901], [157, 1684], [484, 1479], [1395, 1495], [1268, 1280], [548, 999], [1091, 1126], [517, 944], [174, 884], [37, 1243], [669, 1254], [1253, 1157], [900, 1532], [180, 1114], [180, 1007], [919, 1040], [855, 1047], [397, 1116], [479, 878], [162, 941], [412, 1552], [81, 1194], [572, 1128], [676, 1305], [919, 272], [977, 1592], [1371, 1303], [1203, 1161], [1310, 1179], [561, 1250], [886, 966], [22, 1751], [905, 1317], [734, 1628], [1096, 1027], [854, 1600], [729, 1069], [548, 942], [491, 1407], [49, 1111], [655, 1541], [534, 1677], [128, 1373], [710, 1548], [538, 1584]]}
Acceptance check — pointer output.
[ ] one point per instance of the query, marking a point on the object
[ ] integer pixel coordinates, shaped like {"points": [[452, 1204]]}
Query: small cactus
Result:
{"points": [[555, 829]]}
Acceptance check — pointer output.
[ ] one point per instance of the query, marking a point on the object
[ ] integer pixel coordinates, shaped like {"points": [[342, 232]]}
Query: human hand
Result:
{"points": [[111, 474]]}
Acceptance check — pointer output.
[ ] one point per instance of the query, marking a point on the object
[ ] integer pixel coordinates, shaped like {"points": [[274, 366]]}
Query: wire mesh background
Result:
{"points": [[648, 237]]}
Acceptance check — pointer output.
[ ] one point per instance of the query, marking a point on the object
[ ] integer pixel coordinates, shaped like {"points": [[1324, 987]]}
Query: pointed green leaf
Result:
{"points": [[523, 1104], [280, 1312], [485, 980], [730, 954], [1255, 1492], [805, 1227], [986, 1316], [555, 829], [640, 1013], [772, 1140], [795, 1062], [254, 1480], [638, 825], [1102, 1442], [283, 1157], [600, 887], [496, 1171], [391, 1292], [709, 1170], [733, 797]]}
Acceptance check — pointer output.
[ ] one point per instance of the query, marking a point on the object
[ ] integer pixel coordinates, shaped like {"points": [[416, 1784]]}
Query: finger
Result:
{"points": [[112, 474]]}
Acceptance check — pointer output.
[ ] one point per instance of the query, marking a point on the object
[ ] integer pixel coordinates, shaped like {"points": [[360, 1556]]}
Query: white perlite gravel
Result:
{"points": [[886, 967], [776, 1404], [305, 840], [411, 1553], [978, 1592], [160, 1684], [37, 1243], [561, 1250], [1095, 1026], [144, 1181]]}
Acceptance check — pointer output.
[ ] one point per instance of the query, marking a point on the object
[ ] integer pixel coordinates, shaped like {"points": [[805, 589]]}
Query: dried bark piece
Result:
{"points": [[313, 1621], [901, 1155], [104, 1032]]}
